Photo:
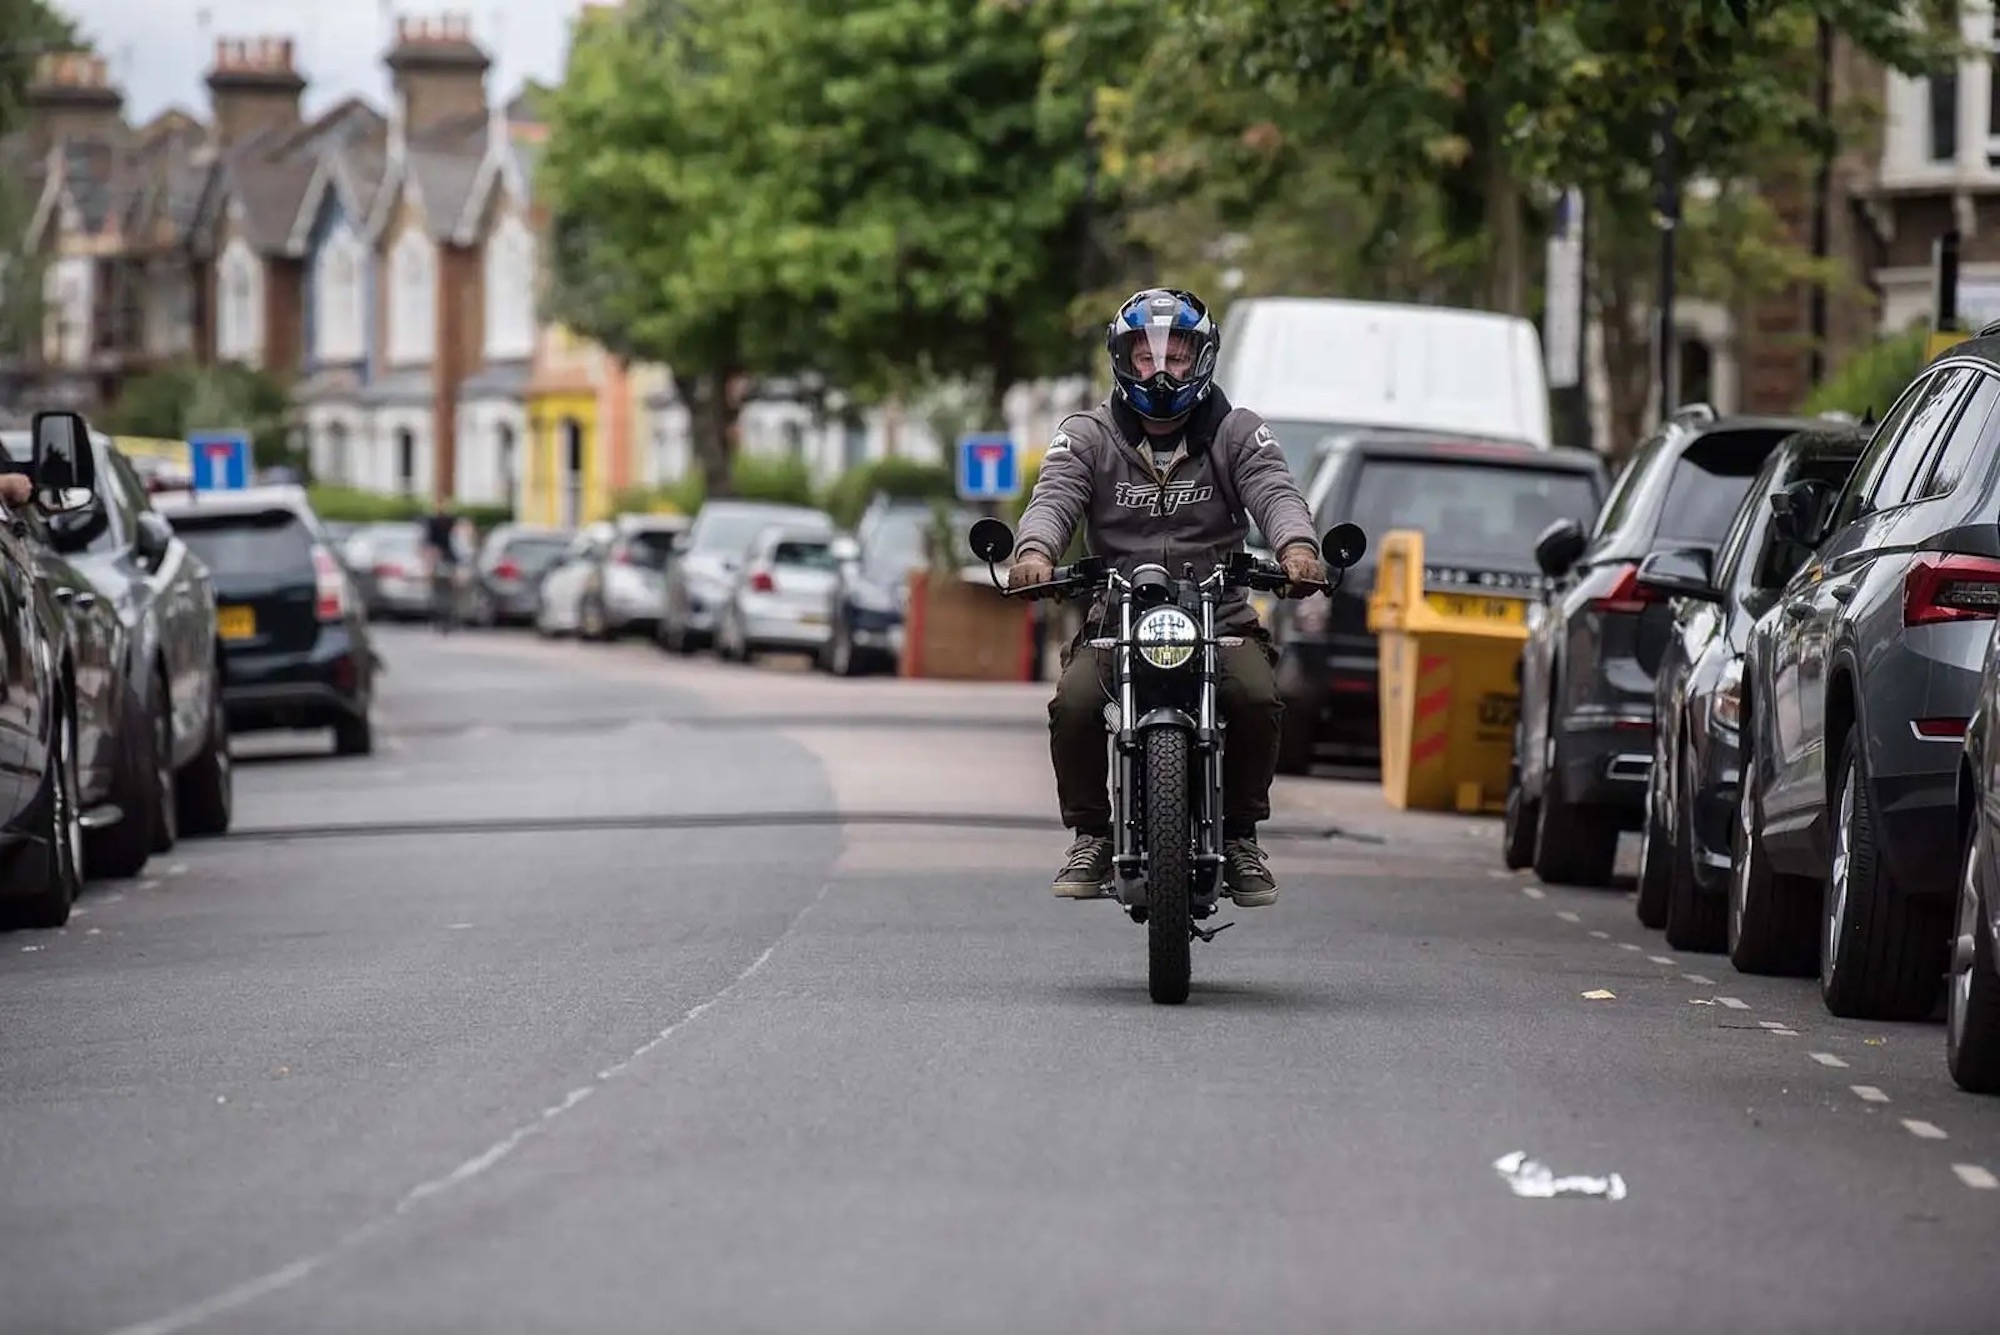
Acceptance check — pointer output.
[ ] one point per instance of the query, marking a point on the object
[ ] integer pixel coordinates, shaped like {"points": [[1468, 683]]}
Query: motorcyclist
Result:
{"points": [[1165, 469]]}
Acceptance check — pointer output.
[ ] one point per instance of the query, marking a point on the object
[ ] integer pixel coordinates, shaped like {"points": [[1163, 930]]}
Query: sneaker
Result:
{"points": [[1086, 869], [1247, 876]]}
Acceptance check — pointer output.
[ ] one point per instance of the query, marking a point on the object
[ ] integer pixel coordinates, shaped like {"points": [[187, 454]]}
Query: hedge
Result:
{"points": [[1869, 381]]}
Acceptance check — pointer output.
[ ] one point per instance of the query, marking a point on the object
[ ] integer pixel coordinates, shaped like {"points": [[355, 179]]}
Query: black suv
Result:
{"points": [[1583, 747], [1478, 505], [295, 641]]}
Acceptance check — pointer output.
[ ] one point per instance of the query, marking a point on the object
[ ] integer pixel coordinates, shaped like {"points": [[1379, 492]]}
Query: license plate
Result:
{"points": [[812, 618], [236, 623], [1514, 611]]}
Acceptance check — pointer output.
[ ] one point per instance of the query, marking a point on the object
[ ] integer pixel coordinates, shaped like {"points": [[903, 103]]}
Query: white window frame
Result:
{"points": [[412, 301], [340, 327], [510, 292], [239, 298]]}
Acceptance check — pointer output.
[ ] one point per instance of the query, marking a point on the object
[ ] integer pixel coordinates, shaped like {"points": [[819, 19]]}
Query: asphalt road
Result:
{"points": [[511, 1027]]}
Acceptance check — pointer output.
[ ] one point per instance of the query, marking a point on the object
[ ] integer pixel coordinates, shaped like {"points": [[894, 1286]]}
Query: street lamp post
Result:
{"points": [[1667, 214]]}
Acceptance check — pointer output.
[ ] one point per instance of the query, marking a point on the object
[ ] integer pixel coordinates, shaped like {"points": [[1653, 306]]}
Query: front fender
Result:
{"points": [[1164, 717]]}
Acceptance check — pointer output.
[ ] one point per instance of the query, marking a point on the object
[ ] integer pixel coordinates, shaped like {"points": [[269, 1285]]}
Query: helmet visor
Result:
{"points": [[1156, 347]]}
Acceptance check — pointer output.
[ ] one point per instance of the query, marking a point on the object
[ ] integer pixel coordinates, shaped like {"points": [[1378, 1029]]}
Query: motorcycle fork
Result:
{"points": [[1207, 774]]}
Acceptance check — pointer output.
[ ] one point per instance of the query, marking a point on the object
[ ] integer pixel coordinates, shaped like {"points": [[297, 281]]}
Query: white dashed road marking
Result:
{"points": [[1869, 1094], [1734, 1004], [1567, 916], [1699, 980], [1601, 936], [1627, 945], [1667, 960], [1827, 1059], [1534, 892], [1923, 1130], [1972, 1175]]}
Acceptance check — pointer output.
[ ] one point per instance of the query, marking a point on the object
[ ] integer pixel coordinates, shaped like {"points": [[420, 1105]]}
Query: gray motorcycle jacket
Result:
{"points": [[1098, 473]]}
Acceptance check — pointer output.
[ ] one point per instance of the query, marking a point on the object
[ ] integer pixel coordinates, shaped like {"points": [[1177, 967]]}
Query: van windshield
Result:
{"points": [[1299, 441]]}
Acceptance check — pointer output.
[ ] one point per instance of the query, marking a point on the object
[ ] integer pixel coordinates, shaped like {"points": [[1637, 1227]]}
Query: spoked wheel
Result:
{"points": [[1169, 868]]}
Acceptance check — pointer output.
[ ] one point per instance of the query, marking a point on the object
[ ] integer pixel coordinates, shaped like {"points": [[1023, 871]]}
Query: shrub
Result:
{"points": [[1869, 381], [905, 479]]}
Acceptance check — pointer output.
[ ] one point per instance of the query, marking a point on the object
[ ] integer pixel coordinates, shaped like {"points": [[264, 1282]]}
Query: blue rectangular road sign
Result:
{"points": [[989, 468], [221, 460]]}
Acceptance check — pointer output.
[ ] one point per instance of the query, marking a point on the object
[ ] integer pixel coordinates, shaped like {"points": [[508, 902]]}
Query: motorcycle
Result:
{"points": [[1164, 731]]}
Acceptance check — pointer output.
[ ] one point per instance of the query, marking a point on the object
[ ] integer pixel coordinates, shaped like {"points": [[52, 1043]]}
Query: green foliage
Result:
{"points": [[183, 398], [29, 29], [783, 480], [849, 494], [1869, 381], [347, 505]]}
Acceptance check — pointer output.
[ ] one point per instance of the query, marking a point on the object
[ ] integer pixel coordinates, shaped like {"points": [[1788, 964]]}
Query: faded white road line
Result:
{"points": [[1972, 1175], [285, 1276], [1667, 960], [1923, 1130], [1734, 1003], [1534, 892], [1827, 1059], [1699, 980], [1567, 916], [1869, 1094]]}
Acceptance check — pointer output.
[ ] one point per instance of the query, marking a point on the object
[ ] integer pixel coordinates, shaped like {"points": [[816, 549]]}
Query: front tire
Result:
{"points": [[1169, 867], [206, 790], [1517, 827], [1972, 1006]]}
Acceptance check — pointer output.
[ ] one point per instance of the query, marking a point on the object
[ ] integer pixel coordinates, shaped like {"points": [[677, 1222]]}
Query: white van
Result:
{"points": [[1314, 366]]}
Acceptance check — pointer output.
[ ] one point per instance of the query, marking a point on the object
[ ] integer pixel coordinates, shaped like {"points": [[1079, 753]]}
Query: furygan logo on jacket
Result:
{"points": [[1151, 497]]}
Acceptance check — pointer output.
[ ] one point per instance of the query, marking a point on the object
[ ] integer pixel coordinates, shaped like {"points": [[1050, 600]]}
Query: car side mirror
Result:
{"points": [[1343, 546], [65, 466], [1800, 512], [1686, 573], [991, 540], [1559, 547], [153, 536]]}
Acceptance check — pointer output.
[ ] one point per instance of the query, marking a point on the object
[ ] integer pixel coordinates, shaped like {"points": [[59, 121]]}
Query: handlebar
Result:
{"points": [[1266, 576]]}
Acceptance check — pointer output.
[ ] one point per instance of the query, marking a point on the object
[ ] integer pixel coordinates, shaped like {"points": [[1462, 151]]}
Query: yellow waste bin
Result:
{"points": [[1448, 690]]}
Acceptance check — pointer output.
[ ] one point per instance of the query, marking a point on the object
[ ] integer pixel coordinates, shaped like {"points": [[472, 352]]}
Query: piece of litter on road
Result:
{"points": [[1869, 1094], [1734, 1003], [1923, 1130], [1826, 1059], [222, 1098], [1874, 1042], [1600, 994], [29, 950], [1699, 980], [1972, 1175], [95, 931], [1700, 1001], [1534, 892], [1567, 916], [1533, 1179]]}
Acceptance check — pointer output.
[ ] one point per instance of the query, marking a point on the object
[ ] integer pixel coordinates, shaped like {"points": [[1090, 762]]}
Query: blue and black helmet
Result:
{"points": [[1163, 347]]}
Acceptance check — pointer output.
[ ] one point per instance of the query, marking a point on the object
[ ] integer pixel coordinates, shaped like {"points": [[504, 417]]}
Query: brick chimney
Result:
{"points": [[253, 87], [72, 97], [438, 71]]}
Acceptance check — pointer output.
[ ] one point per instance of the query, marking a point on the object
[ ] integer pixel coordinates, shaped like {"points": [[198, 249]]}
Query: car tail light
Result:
{"points": [[1940, 729], [388, 570], [621, 557], [1628, 595], [506, 570], [332, 586], [1951, 588], [761, 582]]}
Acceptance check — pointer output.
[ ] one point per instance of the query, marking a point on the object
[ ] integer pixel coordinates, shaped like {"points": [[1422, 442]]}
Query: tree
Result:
{"points": [[171, 403], [29, 29]]}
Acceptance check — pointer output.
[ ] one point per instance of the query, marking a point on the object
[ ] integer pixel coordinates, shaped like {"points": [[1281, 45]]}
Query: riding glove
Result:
{"points": [[1029, 568], [1302, 565]]}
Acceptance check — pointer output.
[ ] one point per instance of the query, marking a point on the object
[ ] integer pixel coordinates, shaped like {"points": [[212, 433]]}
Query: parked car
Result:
{"points": [[779, 601], [1972, 992], [1583, 746], [1858, 687], [296, 649], [611, 579], [509, 570], [1476, 503], [706, 560], [154, 748], [1697, 665], [41, 798], [389, 565], [871, 588]]}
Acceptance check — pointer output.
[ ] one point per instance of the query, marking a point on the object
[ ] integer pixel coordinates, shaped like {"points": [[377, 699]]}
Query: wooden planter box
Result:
{"points": [[957, 630]]}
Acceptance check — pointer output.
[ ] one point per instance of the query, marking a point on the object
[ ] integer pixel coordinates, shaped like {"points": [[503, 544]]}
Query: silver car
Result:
{"points": [[388, 564], [781, 595], [702, 574]]}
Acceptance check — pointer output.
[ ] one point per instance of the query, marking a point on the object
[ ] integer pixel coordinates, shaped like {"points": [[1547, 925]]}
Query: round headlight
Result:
{"points": [[1166, 637]]}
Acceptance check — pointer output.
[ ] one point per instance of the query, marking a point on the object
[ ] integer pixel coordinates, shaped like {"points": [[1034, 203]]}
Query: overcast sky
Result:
{"points": [[160, 50]]}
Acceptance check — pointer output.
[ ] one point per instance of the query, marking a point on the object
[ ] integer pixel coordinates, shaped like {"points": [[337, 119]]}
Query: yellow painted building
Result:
{"points": [[567, 482]]}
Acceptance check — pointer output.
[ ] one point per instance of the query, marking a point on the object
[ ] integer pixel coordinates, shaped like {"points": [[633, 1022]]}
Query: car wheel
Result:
{"points": [[205, 791], [122, 850], [1972, 1000], [1573, 845], [1697, 920], [53, 865], [167, 814], [1517, 826], [1655, 847], [1882, 955], [354, 736]]}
